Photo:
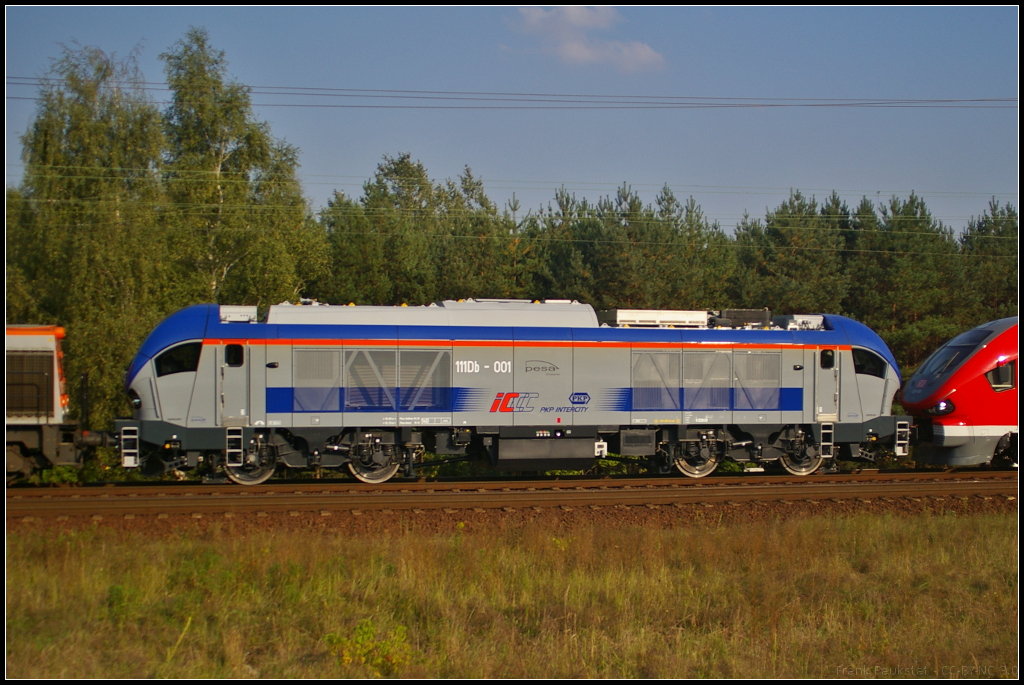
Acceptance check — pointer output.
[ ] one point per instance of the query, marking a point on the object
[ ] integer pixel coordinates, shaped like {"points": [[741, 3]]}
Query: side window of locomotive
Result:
{"points": [[234, 355], [1003, 377], [868, 363], [179, 359], [828, 359]]}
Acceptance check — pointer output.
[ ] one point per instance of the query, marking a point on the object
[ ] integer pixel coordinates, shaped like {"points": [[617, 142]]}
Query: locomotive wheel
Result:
{"points": [[250, 475], [697, 467], [803, 464], [372, 474]]}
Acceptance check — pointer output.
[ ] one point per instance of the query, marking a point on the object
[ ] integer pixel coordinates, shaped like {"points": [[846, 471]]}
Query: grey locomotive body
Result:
{"points": [[529, 386]]}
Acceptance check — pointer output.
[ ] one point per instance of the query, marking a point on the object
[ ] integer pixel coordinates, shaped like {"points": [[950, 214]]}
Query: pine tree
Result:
{"points": [[906, 278], [473, 249], [991, 253], [791, 263], [702, 258]]}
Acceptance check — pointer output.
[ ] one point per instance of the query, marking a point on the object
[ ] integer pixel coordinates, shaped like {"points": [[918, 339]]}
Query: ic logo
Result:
{"points": [[579, 398], [513, 401], [540, 365]]}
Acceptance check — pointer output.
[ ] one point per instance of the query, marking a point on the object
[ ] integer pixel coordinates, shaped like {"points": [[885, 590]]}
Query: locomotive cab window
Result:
{"points": [[234, 355], [179, 359], [1003, 377], [868, 363], [828, 359]]}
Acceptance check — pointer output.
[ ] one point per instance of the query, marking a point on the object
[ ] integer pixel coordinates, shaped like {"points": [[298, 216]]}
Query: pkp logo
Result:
{"points": [[579, 398]]}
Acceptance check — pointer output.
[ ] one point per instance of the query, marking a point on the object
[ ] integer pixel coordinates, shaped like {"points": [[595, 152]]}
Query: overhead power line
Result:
{"points": [[727, 244], [368, 98], [354, 181]]}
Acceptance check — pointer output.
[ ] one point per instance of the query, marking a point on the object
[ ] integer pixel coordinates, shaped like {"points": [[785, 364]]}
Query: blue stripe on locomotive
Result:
{"points": [[706, 399], [325, 400]]}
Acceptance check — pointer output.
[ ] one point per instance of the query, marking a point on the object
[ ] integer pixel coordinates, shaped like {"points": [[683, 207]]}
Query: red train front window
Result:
{"points": [[951, 355]]}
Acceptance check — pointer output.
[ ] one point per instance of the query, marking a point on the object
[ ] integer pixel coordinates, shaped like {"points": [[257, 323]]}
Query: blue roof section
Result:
{"points": [[608, 334], [187, 324], [524, 333], [454, 333], [739, 335]]}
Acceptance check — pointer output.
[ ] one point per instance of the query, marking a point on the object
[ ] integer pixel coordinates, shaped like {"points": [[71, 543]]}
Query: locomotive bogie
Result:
{"points": [[327, 387]]}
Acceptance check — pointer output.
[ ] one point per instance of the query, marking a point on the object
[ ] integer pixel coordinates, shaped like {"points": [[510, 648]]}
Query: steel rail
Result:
{"points": [[136, 500]]}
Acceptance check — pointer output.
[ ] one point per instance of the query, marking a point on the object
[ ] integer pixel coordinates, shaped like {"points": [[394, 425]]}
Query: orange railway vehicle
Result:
{"points": [[39, 433]]}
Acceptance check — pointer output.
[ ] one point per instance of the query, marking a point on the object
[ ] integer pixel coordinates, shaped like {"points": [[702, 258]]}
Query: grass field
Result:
{"points": [[818, 597]]}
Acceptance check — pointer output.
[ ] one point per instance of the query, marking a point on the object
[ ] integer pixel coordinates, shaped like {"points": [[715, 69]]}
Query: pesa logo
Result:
{"points": [[540, 365]]}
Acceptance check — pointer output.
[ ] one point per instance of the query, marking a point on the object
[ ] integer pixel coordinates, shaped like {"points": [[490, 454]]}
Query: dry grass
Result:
{"points": [[793, 598]]}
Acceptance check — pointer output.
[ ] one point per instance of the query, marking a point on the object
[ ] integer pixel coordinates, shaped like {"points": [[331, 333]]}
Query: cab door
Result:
{"points": [[826, 384], [233, 378]]}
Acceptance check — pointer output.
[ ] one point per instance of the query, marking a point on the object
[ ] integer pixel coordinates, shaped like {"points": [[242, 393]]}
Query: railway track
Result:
{"points": [[164, 500]]}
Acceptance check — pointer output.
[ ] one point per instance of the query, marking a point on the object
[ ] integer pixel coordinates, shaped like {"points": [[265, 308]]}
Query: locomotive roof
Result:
{"points": [[550, 313]]}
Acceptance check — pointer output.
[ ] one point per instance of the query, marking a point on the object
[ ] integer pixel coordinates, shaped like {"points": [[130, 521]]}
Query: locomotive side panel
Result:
{"points": [[791, 392], [425, 383], [203, 402], [371, 384], [707, 386], [257, 382], [757, 385], [542, 377], [483, 372], [317, 383], [278, 395], [809, 362], [602, 394], [655, 381]]}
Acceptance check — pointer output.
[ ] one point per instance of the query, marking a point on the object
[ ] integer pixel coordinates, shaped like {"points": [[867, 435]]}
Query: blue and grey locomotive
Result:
{"points": [[527, 385]]}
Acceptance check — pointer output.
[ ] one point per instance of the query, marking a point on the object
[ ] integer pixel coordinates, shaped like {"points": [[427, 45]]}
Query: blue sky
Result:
{"points": [[731, 160]]}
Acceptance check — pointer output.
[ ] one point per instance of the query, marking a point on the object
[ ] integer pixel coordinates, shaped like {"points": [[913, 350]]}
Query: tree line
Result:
{"points": [[127, 213]]}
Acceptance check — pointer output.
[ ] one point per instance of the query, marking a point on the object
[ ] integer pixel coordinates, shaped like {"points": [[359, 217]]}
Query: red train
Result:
{"points": [[964, 398]]}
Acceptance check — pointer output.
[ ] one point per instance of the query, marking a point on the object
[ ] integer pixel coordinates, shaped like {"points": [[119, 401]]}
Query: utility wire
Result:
{"points": [[514, 100], [515, 184]]}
